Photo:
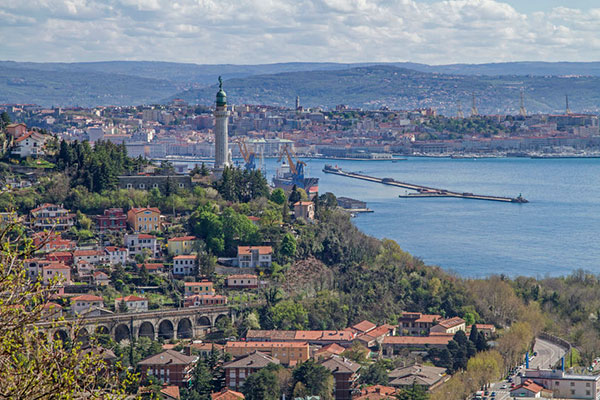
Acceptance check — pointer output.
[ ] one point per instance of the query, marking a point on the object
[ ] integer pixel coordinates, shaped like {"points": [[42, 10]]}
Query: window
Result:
{"points": [[142, 186], [155, 185], [572, 383], [587, 392], [181, 185], [572, 391], [130, 186]]}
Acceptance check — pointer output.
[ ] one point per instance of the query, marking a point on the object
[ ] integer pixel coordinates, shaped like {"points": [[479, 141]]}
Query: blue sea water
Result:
{"points": [[554, 234]]}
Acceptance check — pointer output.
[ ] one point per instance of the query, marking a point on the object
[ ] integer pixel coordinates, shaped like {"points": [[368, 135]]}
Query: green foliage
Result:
{"points": [[241, 185], [415, 392], [262, 385], [289, 315], [202, 379], [288, 246], [375, 374], [278, 196], [315, 380], [95, 168]]}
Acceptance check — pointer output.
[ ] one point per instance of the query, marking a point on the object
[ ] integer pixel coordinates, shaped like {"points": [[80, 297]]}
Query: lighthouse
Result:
{"points": [[221, 135]]}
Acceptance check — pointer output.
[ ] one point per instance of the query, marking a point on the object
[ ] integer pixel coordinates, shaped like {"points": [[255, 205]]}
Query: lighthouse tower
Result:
{"points": [[221, 135]]}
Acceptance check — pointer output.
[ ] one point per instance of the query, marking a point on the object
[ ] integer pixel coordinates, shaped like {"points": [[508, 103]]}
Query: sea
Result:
{"points": [[557, 232]]}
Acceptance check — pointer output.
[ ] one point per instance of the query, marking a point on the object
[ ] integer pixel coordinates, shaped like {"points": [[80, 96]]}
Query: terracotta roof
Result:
{"points": [[98, 273], [168, 357], [418, 340], [427, 318], [185, 257], [112, 249], [364, 326], [171, 392], [451, 322], [227, 394], [529, 385], [198, 283], [145, 236], [151, 266], [245, 250], [421, 374], [272, 334], [265, 344], [207, 346], [55, 266], [136, 210], [332, 348], [377, 392], [182, 239], [242, 276], [485, 326], [60, 254], [82, 253], [131, 298], [50, 305], [87, 297], [253, 218]]}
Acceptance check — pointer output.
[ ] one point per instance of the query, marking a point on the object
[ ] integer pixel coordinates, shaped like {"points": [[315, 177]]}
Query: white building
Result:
{"points": [[565, 386], [133, 303], [93, 257], [85, 302], [116, 255], [254, 256], [136, 244], [184, 265], [30, 144]]}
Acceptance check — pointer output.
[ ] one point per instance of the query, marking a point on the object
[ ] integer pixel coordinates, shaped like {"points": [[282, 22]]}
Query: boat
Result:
{"points": [[330, 168], [520, 199], [290, 175]]}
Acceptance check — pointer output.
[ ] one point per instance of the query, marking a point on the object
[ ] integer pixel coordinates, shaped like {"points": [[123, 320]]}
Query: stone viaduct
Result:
{"points": [[180, 323]]}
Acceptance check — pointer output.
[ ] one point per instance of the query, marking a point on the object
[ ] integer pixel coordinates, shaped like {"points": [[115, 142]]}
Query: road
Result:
{"points": [[548, 354]]}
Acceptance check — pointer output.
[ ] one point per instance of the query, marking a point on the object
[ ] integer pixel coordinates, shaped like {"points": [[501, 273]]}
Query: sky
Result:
{"points": [[269, 31]]}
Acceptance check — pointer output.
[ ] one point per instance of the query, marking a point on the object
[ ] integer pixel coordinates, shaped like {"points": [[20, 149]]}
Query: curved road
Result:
{"points": [[548, 355]]}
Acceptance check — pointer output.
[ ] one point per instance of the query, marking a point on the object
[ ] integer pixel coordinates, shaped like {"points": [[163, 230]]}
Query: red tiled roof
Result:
{"points": [[185, 257], [529, 385], [417, 340], [81, 253], [227, 394], [364, 326], [451, 322], [151, 266], [136, 210], [242, 276], [245, 250], [182, 239], [87, 297], [171, 391], [145, 236], [197, 283], [131, 298]]}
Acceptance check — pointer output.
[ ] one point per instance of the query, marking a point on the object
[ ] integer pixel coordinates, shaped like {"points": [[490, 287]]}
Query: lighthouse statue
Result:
{"points": [[221, 135]]}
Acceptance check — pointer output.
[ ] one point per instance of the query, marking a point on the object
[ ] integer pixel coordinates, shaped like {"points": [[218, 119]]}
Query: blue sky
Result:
{"points": [[266, 31]]}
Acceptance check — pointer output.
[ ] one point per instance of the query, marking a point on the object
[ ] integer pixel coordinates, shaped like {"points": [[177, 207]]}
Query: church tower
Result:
{"points": [[221, 134]]}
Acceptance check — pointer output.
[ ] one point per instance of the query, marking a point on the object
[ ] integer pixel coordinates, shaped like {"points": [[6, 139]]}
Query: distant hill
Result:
{"points": [[383, 85], [79, 88], [367, 85]]}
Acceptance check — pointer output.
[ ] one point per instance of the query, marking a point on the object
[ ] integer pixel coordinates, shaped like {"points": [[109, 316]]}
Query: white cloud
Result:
{"points": [[263, 31]]}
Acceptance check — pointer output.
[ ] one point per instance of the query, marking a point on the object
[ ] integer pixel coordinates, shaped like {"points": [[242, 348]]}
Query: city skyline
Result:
{"points": [[253, 32]]}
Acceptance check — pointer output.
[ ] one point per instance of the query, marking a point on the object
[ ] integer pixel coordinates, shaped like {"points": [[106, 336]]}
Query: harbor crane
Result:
{"points": [[297, 168]]}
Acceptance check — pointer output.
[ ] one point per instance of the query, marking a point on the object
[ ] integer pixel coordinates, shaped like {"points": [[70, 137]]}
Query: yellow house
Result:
{"points": [[181, 245], [144, 219]]}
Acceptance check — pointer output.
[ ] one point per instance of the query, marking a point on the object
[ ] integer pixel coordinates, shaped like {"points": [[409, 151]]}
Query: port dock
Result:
{"points": [[422, 191]]}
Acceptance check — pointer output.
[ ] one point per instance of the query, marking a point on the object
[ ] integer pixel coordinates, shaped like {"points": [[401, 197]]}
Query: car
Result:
{"points": [[509, 379], [493, 394], [503, 386], [487, 392], [535, 353], [512, 385]]}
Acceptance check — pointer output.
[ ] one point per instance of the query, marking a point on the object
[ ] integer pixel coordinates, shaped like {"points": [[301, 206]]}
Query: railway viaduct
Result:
{"points": [[180, 323]]}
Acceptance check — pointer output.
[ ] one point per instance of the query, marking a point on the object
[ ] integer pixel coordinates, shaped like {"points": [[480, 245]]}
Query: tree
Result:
{"points": [[262, 385], [375, 374], [278, 196], [414, 392], [289, 314], [288, 246], [314, 378], [32, 367], [201, 380]]}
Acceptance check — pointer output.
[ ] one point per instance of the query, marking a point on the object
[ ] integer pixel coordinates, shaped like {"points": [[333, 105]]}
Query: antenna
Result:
{"points": [[459, 112], [568, 110], [522, 110], [474, 107]]}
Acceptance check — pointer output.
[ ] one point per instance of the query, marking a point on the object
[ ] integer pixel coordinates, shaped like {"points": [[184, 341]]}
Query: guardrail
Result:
{"points": [[558, 341]]}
